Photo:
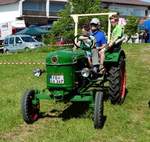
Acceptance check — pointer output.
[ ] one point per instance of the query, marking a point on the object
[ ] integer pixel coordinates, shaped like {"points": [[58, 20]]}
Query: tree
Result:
{"points": [[132, 25], [64, 27]]}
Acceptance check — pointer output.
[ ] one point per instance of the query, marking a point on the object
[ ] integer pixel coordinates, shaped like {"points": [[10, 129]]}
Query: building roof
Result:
{"points": [[128, 2], [3, 2]]}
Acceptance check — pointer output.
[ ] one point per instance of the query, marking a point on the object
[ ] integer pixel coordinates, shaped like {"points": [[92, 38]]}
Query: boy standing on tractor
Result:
{"points": [[88, 40], [100, 40]]}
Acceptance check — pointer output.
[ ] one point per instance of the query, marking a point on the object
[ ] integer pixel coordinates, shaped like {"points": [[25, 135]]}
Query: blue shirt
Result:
{"points": [[141, 27], [147, 25], [100, 38]]}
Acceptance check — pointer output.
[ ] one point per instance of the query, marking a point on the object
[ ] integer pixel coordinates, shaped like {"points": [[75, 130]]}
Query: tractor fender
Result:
{"points": [[114, 56]]}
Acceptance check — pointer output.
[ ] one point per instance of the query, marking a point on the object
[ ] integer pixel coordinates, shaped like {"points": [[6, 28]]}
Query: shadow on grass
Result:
{"points": [[76, 110], [126, 94]]}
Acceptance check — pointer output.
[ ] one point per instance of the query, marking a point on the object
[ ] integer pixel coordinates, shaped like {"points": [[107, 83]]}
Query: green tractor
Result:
{"points": [[70, 79]]}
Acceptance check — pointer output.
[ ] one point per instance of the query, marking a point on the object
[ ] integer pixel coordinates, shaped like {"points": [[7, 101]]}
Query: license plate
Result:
{"points": [[57, 79]]}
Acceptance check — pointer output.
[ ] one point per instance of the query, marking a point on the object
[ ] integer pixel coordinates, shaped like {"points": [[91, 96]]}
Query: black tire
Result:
{"points": [[2, 51], [98, 110], [7, 51], [30, 112], [27, 49], [117, 82]]}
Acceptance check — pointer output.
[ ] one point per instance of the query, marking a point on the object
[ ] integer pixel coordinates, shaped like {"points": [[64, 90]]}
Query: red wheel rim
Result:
{"points": [[34, 114], [34, 117], [123, 82]]}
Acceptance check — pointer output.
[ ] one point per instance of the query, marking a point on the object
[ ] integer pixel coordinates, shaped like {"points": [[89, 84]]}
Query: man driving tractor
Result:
{"points": [[100, 39]]}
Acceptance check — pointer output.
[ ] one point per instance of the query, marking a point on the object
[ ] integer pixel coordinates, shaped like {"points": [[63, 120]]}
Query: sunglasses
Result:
{"points": [[92, 24], [113, 20]]}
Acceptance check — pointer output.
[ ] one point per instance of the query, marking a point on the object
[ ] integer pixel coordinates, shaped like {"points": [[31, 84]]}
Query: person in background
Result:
{"points": [[100, 40], [122, 21], [147, 30], [143, 36]]}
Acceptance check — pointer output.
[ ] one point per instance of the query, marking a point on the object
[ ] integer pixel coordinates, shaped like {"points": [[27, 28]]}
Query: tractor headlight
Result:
{"points": [[37, 72], [85, 72], [54, 59]]}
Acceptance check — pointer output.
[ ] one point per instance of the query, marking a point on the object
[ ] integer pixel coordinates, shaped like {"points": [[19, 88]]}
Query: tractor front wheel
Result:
{"points": [[30, 111], [98, 110]]}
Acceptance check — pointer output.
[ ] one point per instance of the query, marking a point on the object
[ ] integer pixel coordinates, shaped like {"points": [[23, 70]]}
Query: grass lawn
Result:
{"points": [[127, 123]]}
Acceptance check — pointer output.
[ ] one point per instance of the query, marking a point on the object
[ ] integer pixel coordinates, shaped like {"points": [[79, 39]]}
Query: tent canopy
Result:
{"points": [[33, 31]]}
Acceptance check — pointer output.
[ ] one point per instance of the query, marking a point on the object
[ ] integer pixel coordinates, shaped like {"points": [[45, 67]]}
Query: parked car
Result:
{"points": [[16, 43], [1, 49]]}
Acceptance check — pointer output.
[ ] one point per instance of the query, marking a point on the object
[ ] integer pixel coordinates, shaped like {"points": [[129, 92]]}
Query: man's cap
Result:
{"points": [[95, 21]]}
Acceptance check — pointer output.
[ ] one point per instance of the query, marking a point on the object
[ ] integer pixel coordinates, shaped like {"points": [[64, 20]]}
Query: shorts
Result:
{"points": [[102, 50], [88, 54]]}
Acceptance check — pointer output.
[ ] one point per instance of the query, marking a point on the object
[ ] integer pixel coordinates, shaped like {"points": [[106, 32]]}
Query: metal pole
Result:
{"points": [[76, 20], [109, 28], [47, 7], [76, 29]]}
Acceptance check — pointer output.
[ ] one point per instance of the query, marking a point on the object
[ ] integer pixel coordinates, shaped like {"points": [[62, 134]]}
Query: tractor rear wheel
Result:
{"points": [[117, 82], [98, 110], [30, 111]]}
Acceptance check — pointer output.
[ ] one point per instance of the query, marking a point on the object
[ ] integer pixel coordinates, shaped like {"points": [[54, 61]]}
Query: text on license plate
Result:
{"points": [[57, 79]]}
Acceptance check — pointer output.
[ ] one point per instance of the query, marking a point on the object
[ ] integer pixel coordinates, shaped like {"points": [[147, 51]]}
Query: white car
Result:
{"points": [[16, 43]]}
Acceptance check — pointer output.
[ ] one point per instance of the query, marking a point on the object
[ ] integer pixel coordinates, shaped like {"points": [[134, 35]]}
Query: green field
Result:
{"points": [[127, 123]]}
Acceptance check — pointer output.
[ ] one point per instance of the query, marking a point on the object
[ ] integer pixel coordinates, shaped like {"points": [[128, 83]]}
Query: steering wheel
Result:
{"points": [[83, 44]]}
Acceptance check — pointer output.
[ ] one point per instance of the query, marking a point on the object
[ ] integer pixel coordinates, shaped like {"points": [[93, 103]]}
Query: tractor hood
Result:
{"points": [[63, 57]]}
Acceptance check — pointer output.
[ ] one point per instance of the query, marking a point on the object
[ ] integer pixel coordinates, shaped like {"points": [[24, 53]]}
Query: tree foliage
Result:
{"points": [[64, 27], [132, 25]]}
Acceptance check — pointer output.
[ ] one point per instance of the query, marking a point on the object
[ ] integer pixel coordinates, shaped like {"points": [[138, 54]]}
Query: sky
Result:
{"points": [[147, 0]]}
